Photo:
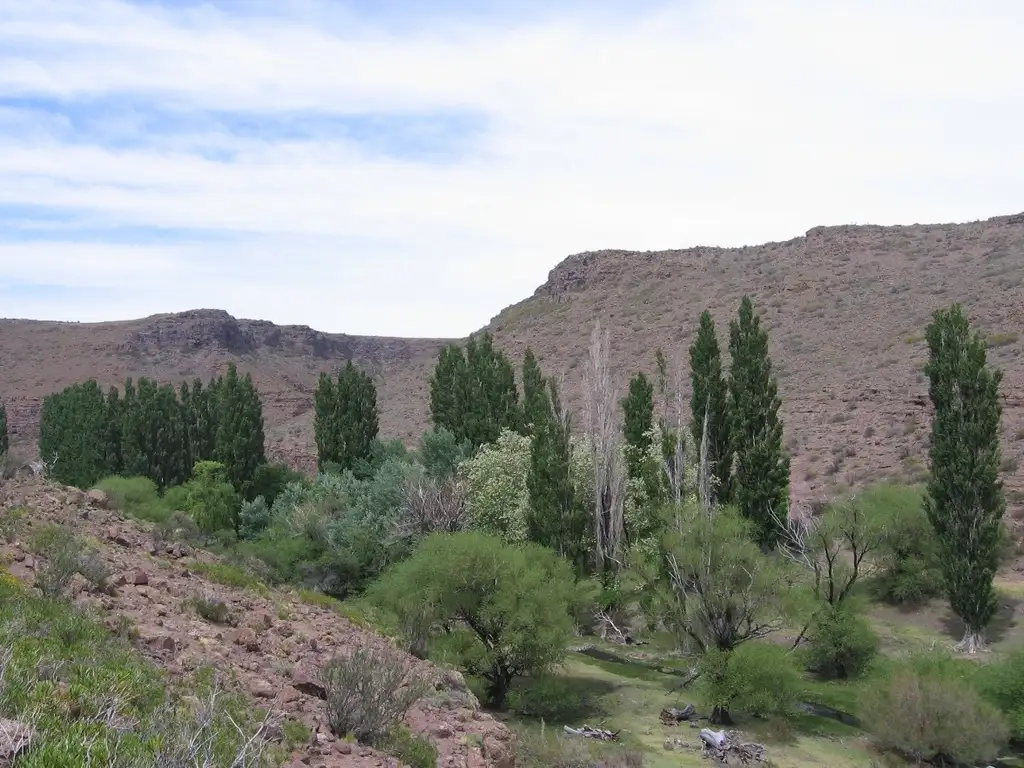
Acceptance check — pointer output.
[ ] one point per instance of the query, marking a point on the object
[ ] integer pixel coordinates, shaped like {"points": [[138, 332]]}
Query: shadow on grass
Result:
{"points": [[1002, 623], [564, 699]]}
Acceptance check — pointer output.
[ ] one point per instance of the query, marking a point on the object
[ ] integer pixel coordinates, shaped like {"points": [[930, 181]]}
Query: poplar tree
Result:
{"points": [[638, 420], [557, 516], [473, 392], [345, 420], [536, 401], [762, 467], [72, 434], [239, 443], [965, 502], [710, 394]]}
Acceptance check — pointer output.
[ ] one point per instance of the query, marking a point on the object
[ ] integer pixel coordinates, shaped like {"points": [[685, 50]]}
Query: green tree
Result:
{"points": [[114, 413], [73, 433], [441, 453], [510, 605], [712, 585], [762, 466], [638, 420], [210, 499], [710, 396], [473, 393], [965, 502], [199, 421], [536, 401], [153, 439], [446, 391], [558, 515], [5, 441], [345, 418], [239, 443], [497, 496]]}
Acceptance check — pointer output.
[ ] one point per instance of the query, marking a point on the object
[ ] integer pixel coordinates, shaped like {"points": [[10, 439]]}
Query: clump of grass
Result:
{"points": [[66, 556], [213, 609], [231, 576], [1002, 339]]}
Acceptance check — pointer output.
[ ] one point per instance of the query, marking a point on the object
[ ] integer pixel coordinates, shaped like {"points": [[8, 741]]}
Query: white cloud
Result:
{"points": [[693, 123]]}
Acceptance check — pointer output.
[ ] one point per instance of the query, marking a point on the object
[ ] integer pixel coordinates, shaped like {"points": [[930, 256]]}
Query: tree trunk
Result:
{"points": [[971, 643], [720, 716], [497, 689]]}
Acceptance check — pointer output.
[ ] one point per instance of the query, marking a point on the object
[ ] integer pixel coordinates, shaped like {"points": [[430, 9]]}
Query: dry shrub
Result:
{"points": [[369, 692], [935, 717]]}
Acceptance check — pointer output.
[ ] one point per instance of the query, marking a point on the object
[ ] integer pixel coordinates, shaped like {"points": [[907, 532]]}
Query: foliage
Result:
{"points": [[558, 515], [761, 480], [154, 439], [496, 486], [757, 679], [440, 453], [907, 565], [1002, 683], [710, 397], [199, 416], [536, 401], [74, 439], [369, 692], [345, 417], [473, 392], [413, 751], [66, 555], [928, 710], [271, 480], [239, 442], [638, 420], [843, 643], [211, 499], [540, 748], [965, 502], [549, 698], [715, 588], [136, 497], [508, 605]]}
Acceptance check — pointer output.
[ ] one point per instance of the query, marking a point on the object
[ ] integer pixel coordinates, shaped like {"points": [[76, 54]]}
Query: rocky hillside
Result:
{"points": [[846, 307], [270, 653]]}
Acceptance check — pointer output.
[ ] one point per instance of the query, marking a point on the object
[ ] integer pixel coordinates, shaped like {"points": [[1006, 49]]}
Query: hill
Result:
{"points": [[845, 306]]}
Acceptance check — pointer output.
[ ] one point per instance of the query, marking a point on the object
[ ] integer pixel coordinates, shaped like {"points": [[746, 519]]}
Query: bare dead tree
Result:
{"points": [[431, 506], [605, 436], [675, 465], [704, 472]]}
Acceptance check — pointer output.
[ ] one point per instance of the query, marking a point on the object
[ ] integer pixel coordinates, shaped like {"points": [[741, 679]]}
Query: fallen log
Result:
{"points": [[672, 716], [726, 748], [588, 732]]}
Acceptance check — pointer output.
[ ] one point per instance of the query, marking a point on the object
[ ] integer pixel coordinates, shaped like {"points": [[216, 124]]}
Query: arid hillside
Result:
{"points": [[846, 307]]}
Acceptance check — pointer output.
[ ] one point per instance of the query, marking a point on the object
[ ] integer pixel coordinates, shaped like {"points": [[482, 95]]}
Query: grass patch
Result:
{"points": [[136, 497], [93, 700], [231, 576], [1002, 339]]}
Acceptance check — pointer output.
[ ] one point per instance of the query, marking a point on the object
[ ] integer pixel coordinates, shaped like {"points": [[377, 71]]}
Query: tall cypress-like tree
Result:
{"points": [[965, 501], [536, 400], [345, 420], [446, 390], [5, 441], [199, 417], [710, 393], [239, 443], [638, 419], [473, 393], [72, 434], [113, 428], [154, 442], [762, 465], [557, 518]]}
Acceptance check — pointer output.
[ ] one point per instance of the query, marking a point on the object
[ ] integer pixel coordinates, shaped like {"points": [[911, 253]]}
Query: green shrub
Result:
{"points": [[928, 709], [413, 751], [843, 643], [136, 497], [909, 569], [1002, 684], [515, 600], [211, 499], [547, 698], [66, 555], [757, 678]]}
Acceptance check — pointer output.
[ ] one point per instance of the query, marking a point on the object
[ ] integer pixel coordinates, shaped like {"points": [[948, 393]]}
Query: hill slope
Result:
{"points": [[846, 307]]}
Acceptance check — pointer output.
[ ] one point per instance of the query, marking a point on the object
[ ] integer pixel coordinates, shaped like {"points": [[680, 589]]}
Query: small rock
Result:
{"points": [[261, 689], [443, 731], [305, 682], [17, 738], [139, 577]]}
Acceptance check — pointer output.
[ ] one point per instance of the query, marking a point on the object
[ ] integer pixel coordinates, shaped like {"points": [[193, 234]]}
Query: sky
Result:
{"points": [[410, 168]]}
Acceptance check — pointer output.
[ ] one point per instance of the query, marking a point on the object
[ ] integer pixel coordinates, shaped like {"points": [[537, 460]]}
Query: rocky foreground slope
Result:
{"points": [[272, 654]]}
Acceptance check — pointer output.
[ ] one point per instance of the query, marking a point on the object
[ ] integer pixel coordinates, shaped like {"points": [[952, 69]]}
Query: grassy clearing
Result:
{"points": [[93, 700], [630, 696]]}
